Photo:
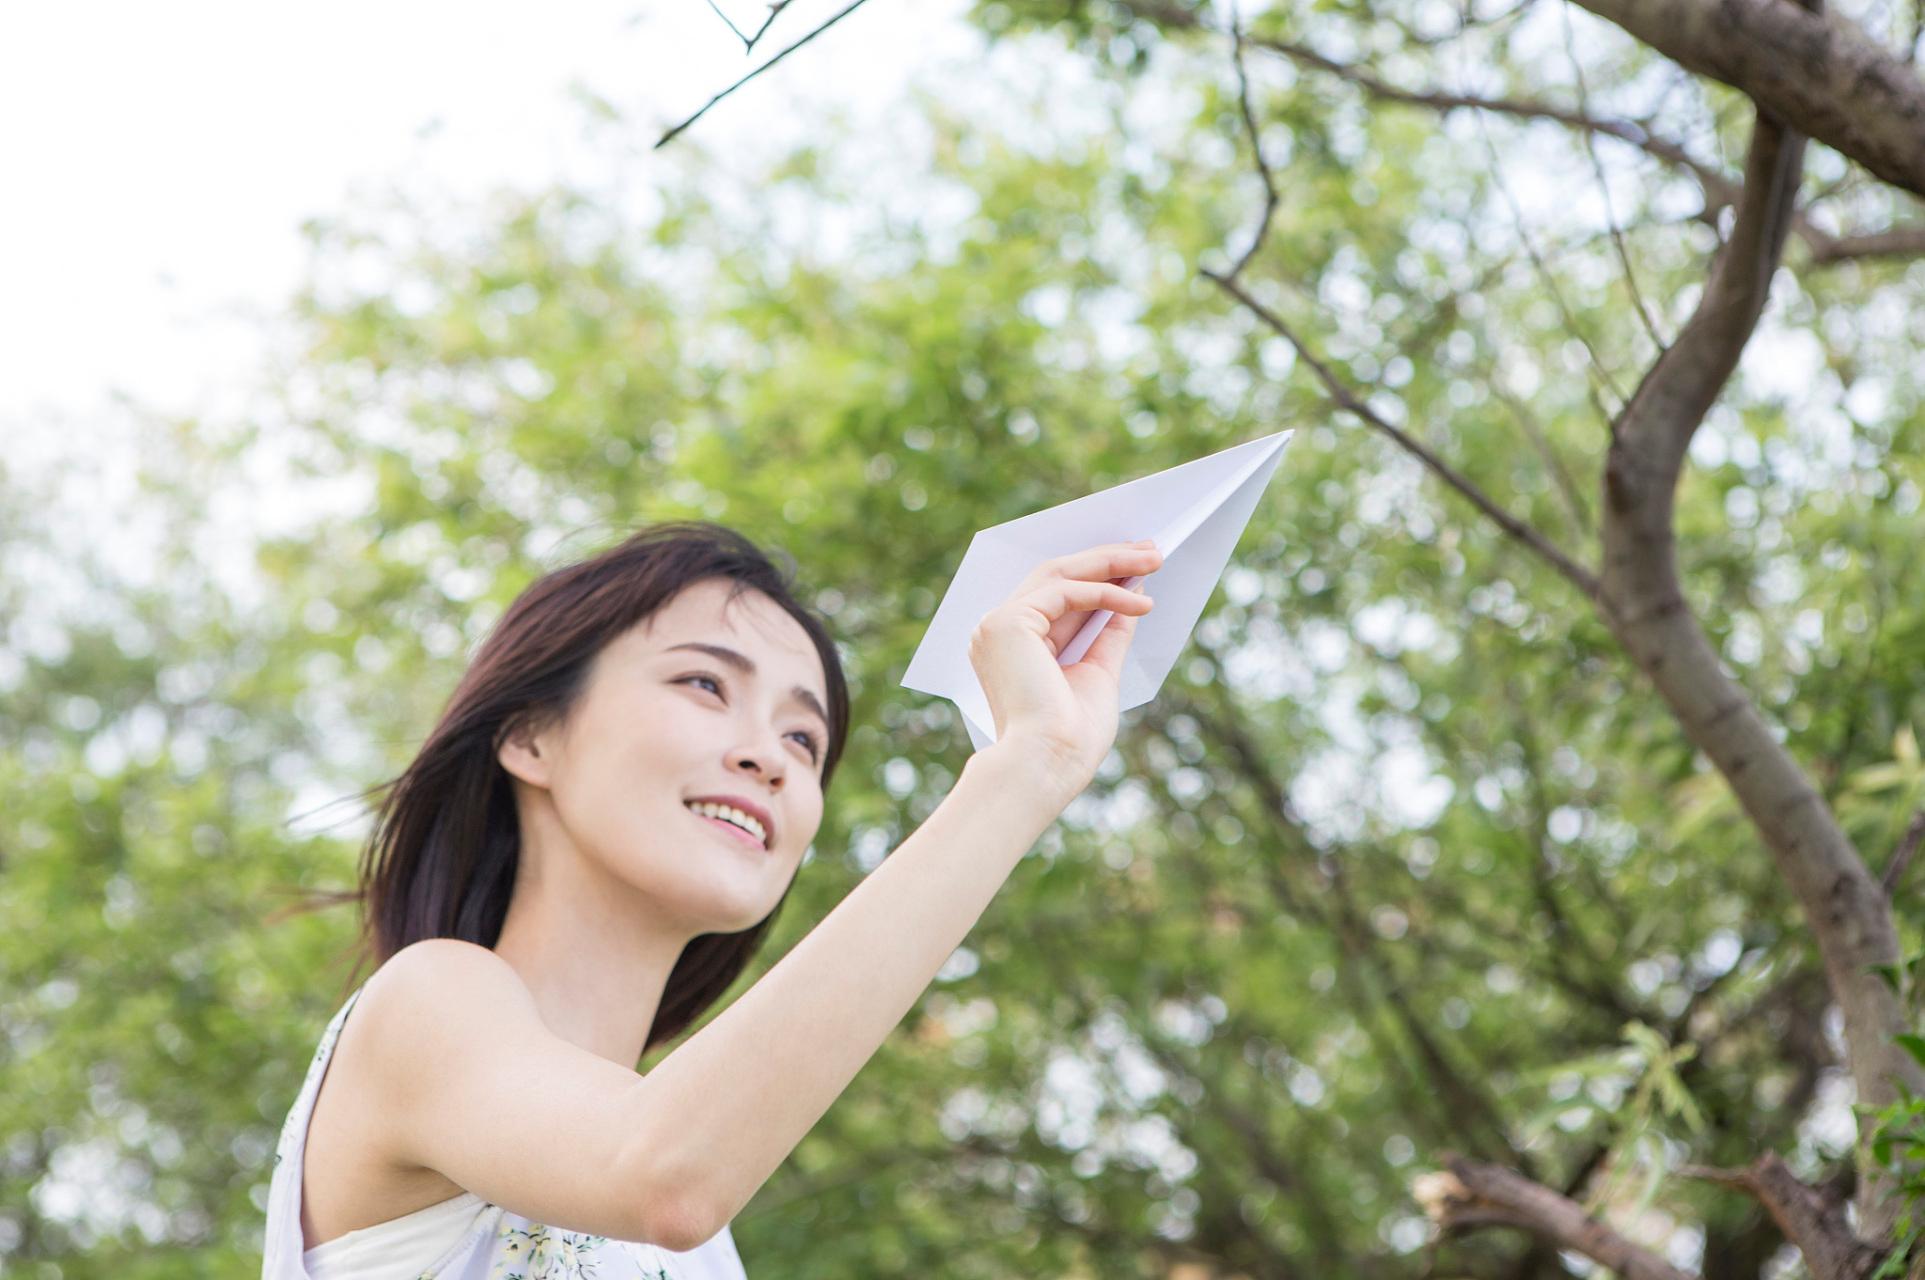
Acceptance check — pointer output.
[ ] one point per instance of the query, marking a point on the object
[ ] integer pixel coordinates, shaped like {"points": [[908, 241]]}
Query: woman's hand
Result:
{"points": [[1066, 715]]}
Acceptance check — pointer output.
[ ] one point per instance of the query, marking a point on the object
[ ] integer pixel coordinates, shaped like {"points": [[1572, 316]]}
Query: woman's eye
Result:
{"points": [[808, 739]]}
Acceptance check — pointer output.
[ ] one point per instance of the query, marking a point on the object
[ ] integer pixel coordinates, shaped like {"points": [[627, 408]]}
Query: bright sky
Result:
{"points": [[159, 159]]}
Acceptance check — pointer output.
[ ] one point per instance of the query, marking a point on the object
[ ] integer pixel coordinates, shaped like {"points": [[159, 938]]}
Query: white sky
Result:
{"points": [[158, 160]]}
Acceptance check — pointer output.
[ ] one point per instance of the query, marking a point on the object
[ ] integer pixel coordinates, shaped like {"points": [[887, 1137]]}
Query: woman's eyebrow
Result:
{"points": [[746, 665]]}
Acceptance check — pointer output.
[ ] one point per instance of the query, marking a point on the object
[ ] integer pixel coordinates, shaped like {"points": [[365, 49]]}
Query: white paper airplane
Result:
{"points": [[1195, 513]]}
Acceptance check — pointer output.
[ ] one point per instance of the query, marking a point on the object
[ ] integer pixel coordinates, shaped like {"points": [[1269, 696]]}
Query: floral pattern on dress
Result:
{"points": [[544, 1253]]}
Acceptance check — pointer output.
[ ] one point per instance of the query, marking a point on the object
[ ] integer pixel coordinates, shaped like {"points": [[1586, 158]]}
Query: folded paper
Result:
{"points": [[1195, 513]]}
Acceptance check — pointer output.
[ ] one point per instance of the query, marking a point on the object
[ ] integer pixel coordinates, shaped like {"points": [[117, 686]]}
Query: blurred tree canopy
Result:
{"points": [[1408, 858]]}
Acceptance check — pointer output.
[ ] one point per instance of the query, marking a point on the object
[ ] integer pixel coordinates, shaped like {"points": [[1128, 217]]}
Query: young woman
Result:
{"points": [[585, 853]]}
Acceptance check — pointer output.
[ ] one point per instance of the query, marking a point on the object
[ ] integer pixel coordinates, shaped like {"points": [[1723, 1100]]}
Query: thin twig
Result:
{"points": [[1603, 375], [1465, 22], [727, 22], [749, 42], [775, 11], [1534, 431], [839, 15], [1256, 146], [1902, 856], [1636, 133], [1894, 242], [1604, 187], [1575, 573]]}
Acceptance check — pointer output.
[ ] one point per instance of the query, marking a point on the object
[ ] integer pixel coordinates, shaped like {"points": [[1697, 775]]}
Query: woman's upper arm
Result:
{"points": [[478, 1089]]}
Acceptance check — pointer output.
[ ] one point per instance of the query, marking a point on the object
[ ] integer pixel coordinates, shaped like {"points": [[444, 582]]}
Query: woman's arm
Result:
{"points": [[474, 1086], [727, 1107]]}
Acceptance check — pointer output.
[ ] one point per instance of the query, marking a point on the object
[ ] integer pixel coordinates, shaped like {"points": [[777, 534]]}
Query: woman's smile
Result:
{"points": [[730, 830]]}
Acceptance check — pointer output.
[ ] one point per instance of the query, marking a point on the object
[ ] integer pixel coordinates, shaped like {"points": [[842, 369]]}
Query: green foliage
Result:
{"points": [[1635, 1096]]}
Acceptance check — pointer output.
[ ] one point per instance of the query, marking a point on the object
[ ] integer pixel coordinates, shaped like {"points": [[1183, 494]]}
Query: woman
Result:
{"points": [[583, 856]]}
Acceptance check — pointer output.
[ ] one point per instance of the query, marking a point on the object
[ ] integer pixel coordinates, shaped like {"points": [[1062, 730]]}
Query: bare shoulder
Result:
{"points": [[431, 1007], [457, 1069], [438, 997]]}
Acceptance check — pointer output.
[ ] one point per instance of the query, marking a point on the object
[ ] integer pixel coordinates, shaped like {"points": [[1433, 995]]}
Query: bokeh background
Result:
{"points": [[327, 332]]}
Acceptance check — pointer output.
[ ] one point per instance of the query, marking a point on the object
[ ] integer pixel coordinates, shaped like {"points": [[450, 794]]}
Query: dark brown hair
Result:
{"points": [[440, 861]]}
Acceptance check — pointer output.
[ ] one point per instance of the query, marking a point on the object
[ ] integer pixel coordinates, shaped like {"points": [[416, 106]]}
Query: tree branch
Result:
{"points": [[1720, 191], [1818, 71], [1902, 856], [1256, 146], [834, 18], [1472, 1195], [1604, 187], [1642, 601], [1810, 1218], [1895, 242], [1575, 573]]}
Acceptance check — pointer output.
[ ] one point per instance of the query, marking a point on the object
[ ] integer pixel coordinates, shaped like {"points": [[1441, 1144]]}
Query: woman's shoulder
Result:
{"points": [[432, 963], [441, 995]]}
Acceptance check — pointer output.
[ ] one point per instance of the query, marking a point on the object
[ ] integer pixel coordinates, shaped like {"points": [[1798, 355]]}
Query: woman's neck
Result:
{"points": [[595, 961]]}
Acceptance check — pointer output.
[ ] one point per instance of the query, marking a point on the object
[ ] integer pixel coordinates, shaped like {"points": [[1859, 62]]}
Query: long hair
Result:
{"points": [[440, 861]]}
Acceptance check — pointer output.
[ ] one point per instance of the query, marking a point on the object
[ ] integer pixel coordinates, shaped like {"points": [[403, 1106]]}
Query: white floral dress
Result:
{"points": [[499, 1245]]}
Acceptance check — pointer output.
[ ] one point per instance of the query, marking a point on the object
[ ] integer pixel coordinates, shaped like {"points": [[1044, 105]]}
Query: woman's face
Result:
{"points": [[660, 724]]}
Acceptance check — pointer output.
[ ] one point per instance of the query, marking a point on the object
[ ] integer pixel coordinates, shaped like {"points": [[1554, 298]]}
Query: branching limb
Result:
{"points": [[1902, 856], [1524, 533], [1604, 188], [1256, 146], [834, 18], [1472, 1194], [1897, 242], [1820, 70], [1549, 281], [1642, 601], [1720, 191], [1812, 1218]]}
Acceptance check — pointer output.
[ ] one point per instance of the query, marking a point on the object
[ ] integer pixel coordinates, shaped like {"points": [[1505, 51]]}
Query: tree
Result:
{"points": [[1806, 74]]}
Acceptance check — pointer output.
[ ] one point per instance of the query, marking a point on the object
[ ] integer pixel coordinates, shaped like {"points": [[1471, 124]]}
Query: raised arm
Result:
{"points": [[474, 1086], [726, 1108]]}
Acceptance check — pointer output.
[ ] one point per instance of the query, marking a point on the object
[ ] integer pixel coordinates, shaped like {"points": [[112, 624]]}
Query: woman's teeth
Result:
{"points": [[733, 818]]}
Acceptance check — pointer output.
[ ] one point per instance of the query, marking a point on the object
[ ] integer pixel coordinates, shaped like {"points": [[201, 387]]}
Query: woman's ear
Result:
{"points": [[520, 752]]}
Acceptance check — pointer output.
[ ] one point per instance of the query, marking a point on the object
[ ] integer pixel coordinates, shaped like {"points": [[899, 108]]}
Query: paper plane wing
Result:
{"points": [[1195, 512]]}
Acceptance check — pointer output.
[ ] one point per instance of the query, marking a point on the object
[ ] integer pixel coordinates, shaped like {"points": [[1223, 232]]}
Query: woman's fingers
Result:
{"points": [[1067, 713], [1067, 595], [1111, 643], [1114, 560]]}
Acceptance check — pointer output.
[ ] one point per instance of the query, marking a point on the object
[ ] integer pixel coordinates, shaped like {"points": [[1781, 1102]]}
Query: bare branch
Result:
{"points": [[727, 22], [1604, 187], [1576, 574], [1636, 133], [1897, 242], [1643, 603], [775, 11], [1534, 431], [1810, 1218], [1550, 282], [1472, 1195], [1466, 21], [1256, 147], [1720, 191], [1818, 71], [1902, 856], [834, 18]]}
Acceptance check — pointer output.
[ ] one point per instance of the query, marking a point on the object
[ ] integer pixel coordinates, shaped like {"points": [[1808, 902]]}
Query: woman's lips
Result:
{"points": [[729, 828]]}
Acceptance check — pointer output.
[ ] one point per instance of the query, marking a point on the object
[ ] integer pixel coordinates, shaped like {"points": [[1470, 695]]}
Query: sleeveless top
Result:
{"points": [[465, 1238]]}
